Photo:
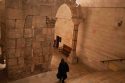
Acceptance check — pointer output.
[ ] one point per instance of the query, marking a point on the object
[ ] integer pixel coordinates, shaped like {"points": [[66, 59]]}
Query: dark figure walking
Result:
{"points": [[62, 70]]}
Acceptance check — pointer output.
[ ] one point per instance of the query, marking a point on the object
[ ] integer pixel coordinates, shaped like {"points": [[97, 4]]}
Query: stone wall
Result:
{"points": [[101, 3], [2, 25], [14, 47], [28, 40], [101, 34]]}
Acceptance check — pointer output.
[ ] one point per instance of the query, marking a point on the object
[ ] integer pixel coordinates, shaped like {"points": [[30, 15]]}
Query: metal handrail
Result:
{"points": [[112, 60]]}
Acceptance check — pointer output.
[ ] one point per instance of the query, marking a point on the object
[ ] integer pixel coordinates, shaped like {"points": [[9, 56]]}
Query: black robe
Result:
{"points": [[62, 70]]}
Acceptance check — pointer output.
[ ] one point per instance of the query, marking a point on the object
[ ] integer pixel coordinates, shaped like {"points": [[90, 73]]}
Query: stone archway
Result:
{"points": [[16, 45], [76, 17]]}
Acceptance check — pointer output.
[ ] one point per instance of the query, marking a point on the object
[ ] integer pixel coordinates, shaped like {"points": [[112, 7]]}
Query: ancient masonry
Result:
{"points": [[29, 37]]}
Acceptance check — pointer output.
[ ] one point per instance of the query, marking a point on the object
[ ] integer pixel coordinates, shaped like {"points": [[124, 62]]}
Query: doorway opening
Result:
{"points": [[64, 26], [63, 34]]}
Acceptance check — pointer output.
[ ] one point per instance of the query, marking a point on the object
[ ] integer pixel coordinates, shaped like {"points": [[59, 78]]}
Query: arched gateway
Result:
{"points": [[76, 18], [28, 35]]}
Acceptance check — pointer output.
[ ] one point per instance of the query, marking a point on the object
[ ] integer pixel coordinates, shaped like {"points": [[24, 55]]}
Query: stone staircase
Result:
{"points": [[78, 73], [101, 77], [95, 77], [115, 64]]}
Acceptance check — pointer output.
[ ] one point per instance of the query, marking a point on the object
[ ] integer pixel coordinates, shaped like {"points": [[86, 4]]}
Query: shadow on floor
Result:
{"points": [[3, 76]]}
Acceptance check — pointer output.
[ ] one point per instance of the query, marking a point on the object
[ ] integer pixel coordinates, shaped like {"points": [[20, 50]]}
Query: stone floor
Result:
{"points": [[79, 73], [3, 73], [76, 70], [3, 76], [97, 77], [101, 77]]}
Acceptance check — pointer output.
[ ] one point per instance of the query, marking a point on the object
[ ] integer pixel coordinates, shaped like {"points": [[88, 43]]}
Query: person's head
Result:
{"points": [[62, 60]]}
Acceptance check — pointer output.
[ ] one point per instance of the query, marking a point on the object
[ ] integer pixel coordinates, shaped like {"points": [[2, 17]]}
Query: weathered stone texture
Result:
{"points": [[36, 44], [100, 34], [15, 4], [20, 43], [11, 43], [103, 37], [28, 33], [102, 3], [15, 33], [28, 40], [14, 13]]}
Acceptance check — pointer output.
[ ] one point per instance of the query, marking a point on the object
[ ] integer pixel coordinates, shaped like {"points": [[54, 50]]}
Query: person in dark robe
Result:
{"points": [[62, 70]]}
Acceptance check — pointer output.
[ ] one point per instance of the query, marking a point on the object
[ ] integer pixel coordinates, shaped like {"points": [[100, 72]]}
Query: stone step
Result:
{"points": [[48, 77], [101, 77], [96, 77]]}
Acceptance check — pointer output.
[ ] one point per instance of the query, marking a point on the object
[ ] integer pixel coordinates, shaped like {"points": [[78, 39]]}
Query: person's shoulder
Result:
{"points": [[66, 63]]}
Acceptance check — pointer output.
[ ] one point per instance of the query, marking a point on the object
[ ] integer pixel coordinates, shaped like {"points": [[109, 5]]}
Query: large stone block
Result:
{"points": [[38, 60], [27, 52], [40, 38], [45, 31], [41, 59], [12, 62], [11, 53], [46, 43], [13, 4], [14, 13], [28, 33], [38, 31], [11, 24], [21, 62], [19, 52], [32, 11], [37, 52], [15, 33], [28, 56], [29, 4], [43, 10], [50, 31], [15, 72], [38, 56], [37, 21], [36, 45], [12, 69], [28, 21], [20, 24], [28, 42], [46, 52], [11, 43], [20, 43]]}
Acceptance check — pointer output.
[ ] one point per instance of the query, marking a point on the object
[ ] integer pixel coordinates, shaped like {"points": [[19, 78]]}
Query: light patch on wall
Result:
{"points": [[64, 11], [64, 25], [78, 2], [89, 2], [101, 3]]}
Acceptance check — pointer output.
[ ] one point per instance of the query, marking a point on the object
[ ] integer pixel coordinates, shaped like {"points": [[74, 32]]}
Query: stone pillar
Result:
{"points": [[73, 57]]}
